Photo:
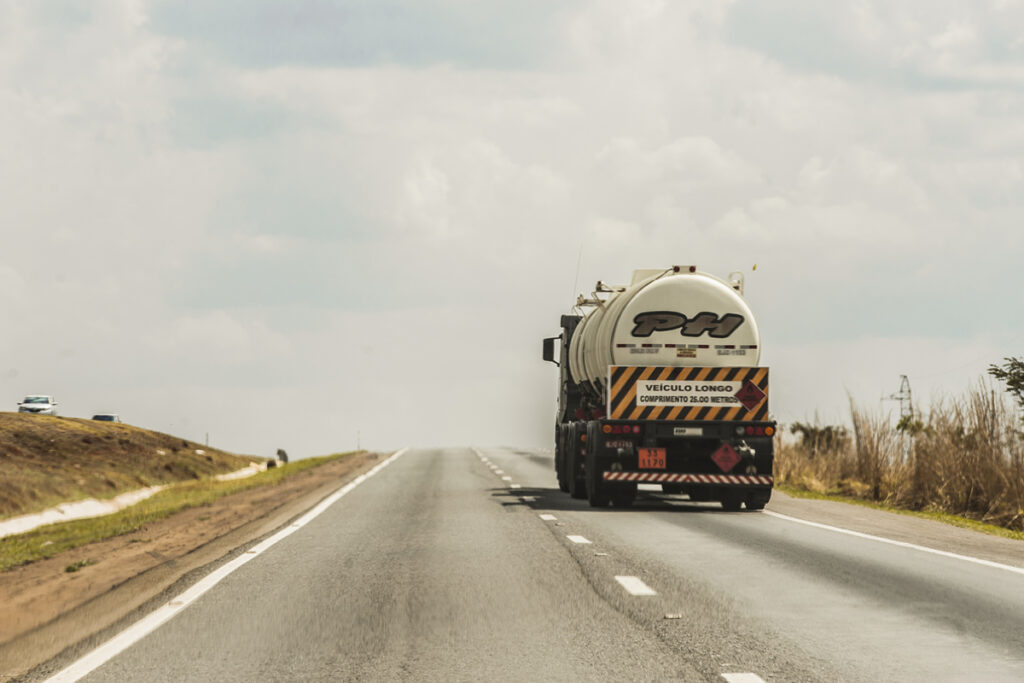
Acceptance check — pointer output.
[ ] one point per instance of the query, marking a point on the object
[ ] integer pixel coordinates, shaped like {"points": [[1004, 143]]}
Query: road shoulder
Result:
{"points": [[904, 528], [47, 609]]}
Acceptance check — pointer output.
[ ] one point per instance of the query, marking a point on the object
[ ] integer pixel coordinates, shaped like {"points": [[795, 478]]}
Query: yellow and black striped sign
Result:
{"points": [[687, 393]]}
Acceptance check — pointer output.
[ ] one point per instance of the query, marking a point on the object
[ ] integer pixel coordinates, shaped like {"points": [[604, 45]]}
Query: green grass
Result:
{"points": [[53, 539], [944, 517], [75, 566]]}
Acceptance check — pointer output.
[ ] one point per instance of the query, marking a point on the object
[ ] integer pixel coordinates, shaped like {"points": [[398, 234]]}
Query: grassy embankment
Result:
{"points": [[965, 464], [50, 540], [47, 460]]}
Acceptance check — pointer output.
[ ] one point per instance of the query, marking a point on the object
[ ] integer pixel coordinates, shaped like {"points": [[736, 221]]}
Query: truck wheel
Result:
{"points": [[624, 497], [577, 484], [732, 501], [597, 492], [563, 481], [757, 501], [573, 462]]}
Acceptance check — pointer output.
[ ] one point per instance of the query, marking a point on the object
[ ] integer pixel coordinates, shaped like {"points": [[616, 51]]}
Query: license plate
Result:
{"points": [[652, 458]]}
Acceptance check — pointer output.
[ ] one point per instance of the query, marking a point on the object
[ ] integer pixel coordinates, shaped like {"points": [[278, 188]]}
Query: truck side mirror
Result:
{"points": [[549, 350]]}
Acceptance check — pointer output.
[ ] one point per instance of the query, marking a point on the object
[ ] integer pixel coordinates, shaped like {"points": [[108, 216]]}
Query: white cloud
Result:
{"points": [[696, 161], [217, 338], [610, 234], [264, 244], [955, 35], [373, 236], [426, 200]]}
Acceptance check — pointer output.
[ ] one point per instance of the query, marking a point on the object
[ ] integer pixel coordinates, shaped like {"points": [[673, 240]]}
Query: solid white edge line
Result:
{"points": [[743, 678], [577, 539], [635, 586], [140, 629], [901, 544]]}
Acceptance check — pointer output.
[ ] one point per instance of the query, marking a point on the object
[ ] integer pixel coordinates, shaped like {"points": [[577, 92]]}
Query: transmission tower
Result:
{"points": [[903, 396], [906, 413]]}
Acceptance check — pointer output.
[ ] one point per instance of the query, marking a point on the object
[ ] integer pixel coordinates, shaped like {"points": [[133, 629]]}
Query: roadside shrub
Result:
{"points": [[966, 457]]}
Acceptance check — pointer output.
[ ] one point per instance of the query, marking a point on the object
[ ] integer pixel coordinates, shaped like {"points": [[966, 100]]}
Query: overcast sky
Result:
{"points": [[288, 223]]}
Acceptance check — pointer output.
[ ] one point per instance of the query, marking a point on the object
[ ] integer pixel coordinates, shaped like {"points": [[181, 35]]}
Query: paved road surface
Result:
{"points": [[468, 565]]}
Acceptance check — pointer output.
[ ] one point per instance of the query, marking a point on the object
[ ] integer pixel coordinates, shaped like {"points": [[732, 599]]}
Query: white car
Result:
{"points": [[39, 404]]}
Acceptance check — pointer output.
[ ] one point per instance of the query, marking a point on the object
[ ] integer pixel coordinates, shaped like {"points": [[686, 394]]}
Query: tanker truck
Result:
{"points": [[660, 384]]}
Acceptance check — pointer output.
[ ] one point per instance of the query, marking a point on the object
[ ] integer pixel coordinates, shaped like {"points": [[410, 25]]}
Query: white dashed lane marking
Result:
{"points": [[743, 678], [494, 468], [634, 586]]}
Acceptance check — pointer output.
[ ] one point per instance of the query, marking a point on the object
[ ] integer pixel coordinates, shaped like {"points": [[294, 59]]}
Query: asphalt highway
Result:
{"points": [[469, 565]]}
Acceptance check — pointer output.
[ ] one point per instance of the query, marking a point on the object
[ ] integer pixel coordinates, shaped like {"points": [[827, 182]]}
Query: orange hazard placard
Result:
{"points": [[652, 458]]}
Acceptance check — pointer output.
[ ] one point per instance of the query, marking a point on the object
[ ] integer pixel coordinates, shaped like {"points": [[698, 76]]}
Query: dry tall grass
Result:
{"points": [[965, 458]]}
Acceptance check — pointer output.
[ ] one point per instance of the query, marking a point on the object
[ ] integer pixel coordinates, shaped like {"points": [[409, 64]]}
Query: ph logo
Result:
{"points": [[664, 321]]}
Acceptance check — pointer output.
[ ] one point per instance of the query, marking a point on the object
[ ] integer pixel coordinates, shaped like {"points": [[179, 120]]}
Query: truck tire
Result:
{"points": [[597, 491], [573, 463], [757, 501], [623, 497], [732, 501], [560, 468]]}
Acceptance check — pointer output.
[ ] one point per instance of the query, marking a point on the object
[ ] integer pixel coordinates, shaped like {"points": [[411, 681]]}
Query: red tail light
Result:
{"points": [[621, 429]]}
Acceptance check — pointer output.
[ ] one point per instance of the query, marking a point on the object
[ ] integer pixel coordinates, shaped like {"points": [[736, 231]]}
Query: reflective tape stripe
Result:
{"points": [[674, 478]]}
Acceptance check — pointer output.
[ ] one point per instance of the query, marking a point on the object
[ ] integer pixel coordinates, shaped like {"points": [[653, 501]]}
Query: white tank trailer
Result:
{"points": [[660, 384]]}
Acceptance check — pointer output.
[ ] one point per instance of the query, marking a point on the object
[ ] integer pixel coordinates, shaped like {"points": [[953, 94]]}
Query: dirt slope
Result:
{"points": [[47, 460]]}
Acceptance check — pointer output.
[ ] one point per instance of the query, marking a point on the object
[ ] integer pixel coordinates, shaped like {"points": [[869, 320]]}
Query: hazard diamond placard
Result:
{"points": [[726, 457], [749, 395]]}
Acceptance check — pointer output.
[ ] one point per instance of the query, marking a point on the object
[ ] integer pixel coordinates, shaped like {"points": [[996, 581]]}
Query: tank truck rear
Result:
{"points": [[660, 384]]}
